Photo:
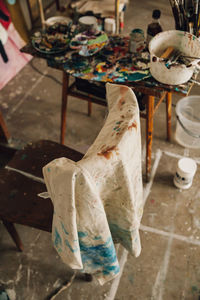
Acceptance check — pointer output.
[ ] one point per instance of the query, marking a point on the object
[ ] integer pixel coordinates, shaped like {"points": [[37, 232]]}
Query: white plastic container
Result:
{"points": [[188, 122], [109, 25], [186, 169]]}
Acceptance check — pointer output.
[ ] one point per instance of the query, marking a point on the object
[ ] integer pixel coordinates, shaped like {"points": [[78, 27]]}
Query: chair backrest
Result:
{"points": [[98, 200]]}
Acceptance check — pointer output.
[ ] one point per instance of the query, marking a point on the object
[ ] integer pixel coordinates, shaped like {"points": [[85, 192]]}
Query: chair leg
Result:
{"points": [[149, 134], [4, 134], [14, 234], [169, 114], [65, 87]]}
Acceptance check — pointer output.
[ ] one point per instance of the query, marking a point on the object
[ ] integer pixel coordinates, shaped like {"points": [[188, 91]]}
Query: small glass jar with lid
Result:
{"points": [[137, 41]]}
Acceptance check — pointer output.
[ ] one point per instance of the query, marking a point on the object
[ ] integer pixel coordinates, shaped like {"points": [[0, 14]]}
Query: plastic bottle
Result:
{"points": [[154, 27]]}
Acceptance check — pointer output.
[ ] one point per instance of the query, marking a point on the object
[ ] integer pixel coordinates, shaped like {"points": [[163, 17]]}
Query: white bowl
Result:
{"points": [[57, 19], [183, 41]]}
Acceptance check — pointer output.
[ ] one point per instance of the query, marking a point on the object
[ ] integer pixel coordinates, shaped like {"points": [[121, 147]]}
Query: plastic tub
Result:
{"points": [[186, 169], [188, 122]]}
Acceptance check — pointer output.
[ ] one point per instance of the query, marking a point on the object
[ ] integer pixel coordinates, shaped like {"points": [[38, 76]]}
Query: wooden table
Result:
{"points": [[151, 108], [148, 86]]}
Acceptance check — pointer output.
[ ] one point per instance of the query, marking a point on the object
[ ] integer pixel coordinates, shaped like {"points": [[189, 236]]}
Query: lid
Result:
{"points": [[137, 31], [88, 20], [187, 167], [156, 14]]}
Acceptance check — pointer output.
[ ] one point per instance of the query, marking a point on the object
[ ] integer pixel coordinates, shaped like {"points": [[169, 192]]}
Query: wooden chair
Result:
{"points": [[21, 182]]}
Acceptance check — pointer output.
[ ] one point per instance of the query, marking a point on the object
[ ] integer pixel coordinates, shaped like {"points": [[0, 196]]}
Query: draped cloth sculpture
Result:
{"points": [[98, 200]]}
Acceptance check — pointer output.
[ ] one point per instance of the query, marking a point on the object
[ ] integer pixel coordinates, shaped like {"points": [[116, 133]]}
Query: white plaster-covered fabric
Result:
{"points": [[98, 200]]}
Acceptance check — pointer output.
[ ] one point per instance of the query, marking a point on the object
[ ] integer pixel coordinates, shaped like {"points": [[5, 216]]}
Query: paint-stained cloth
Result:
{"points": [[98, 200]]}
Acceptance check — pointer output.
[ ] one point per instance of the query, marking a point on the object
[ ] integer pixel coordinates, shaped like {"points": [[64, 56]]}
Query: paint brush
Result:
{"points": [[189, 9], [176, 14], [194, 81], [188, 56], [180, 17], [195, 16], [184, 25]]}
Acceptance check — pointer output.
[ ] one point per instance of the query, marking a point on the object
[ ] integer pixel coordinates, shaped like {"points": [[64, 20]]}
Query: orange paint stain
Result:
{"points": [[108, 152], [133, 125], [121, 102], [123, 90]]}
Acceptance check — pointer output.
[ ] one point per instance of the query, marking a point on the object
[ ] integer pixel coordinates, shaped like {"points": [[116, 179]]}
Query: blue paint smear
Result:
{"points": [[65, 231], [97, 237], [57, 238], [70, 247], [119, 79], [121, 235], [82, 234], [67, 242], [108, 269], [100, 257]]}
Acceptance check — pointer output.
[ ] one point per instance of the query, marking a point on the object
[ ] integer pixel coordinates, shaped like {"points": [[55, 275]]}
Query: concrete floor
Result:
{"points": [[168, 267]]}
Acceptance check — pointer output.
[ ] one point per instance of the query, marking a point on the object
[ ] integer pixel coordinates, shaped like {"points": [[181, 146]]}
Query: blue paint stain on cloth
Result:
{"points": [[57, 239], [101, 257], [66, 240]]}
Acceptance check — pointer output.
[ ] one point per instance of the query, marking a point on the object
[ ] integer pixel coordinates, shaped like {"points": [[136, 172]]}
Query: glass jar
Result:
{"points": [[137, 41]]}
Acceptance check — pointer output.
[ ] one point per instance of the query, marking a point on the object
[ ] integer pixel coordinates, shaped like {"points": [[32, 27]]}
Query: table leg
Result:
{"points": [[89, 107], [4, 134], [64, 107], [168, 114], [149, 133], [14, 234]]}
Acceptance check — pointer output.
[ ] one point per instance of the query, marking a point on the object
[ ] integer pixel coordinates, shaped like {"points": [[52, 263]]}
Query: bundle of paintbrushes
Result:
{"points": [[173, 57], [186, 15]]}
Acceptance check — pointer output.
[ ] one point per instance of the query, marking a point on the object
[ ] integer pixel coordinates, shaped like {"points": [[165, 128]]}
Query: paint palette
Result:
{"points": [[51, 42], [89, 42]]}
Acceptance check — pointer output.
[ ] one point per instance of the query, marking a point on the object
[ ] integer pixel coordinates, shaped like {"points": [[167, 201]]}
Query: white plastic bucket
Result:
{"points": [[188, 122]]}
